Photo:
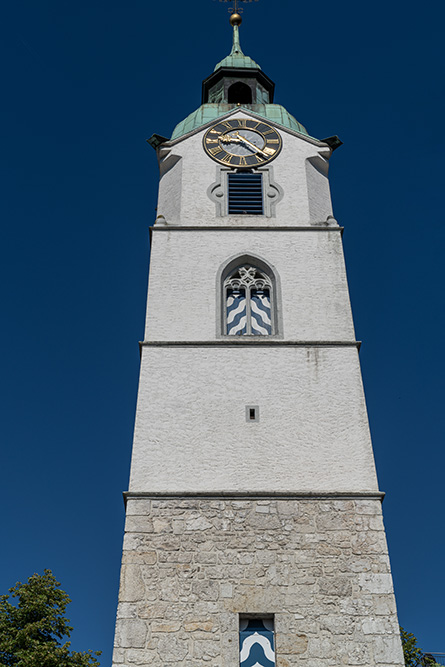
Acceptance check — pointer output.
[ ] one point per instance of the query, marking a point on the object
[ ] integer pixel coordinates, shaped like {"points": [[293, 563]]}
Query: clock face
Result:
{"points": [[242, 142]]}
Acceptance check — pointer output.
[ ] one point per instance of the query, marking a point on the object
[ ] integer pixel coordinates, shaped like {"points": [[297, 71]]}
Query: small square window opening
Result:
{"points": [[252, 413]]}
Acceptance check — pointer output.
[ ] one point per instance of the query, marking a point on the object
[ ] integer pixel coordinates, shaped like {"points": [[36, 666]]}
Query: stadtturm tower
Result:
{"points": [[254, 533]]}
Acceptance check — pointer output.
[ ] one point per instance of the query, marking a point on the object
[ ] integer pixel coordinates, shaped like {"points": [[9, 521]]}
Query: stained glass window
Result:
{"points": [[248, 302], [256, 638]]}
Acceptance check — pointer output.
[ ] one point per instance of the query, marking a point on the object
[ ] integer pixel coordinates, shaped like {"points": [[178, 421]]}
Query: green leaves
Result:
{"points": [[414, 656], [33, 627]]}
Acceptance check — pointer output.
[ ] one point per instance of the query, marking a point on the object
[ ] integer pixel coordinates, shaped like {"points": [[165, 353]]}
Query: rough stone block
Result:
{"points": [[388, 650], [339, 586], [293, 644], [226, 590], [141, 506], [130, 633], [376, 583], [172, 626], [132, 586], [198, 523], [312, 564], [355, 653], [206, 590], [127, 610], [206, 649], [193, 625], [173, 649], [118, 656], [138, 524], [321, 648]]}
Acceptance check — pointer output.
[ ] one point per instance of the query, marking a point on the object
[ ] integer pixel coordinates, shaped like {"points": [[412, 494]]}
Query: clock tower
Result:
{"points": [[254, 533]]}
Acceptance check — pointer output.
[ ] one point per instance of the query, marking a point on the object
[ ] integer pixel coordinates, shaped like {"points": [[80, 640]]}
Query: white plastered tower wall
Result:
{"points": [[279, 517], [313, 434]]}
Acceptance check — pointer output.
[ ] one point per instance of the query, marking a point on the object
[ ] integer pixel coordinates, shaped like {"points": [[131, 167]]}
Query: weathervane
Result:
{"points": [[236, 10]]}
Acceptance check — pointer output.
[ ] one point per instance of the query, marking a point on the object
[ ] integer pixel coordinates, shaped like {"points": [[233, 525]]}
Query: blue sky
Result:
{"points": [[84, 84]]}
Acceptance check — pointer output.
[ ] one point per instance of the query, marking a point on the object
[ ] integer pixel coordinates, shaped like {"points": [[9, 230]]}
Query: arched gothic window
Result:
{"points": [[247, 294]]}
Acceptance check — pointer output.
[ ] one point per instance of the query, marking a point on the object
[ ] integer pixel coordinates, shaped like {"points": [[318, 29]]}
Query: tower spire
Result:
{"points": [[236, 47], [236, 58], [235, 22]]}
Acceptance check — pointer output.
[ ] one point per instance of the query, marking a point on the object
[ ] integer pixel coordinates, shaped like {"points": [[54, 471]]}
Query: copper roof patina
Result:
{"points": [[236, 57], [209, 112]]}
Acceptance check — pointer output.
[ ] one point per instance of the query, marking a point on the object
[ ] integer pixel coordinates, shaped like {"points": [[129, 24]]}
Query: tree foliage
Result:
{"points": [[413, 655], [34, 627]]}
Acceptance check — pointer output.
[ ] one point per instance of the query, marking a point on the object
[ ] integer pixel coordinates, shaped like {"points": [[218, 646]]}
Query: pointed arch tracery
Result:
{"points": [[247, 299]]}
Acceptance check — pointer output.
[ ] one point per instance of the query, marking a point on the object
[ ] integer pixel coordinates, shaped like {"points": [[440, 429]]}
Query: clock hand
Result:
{"points": [[238, 138], [246, 141], [228, 139]]}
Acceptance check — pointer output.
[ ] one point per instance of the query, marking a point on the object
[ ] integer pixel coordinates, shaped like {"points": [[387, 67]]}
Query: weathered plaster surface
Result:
{"points": [[183, 289], [191, 432], [190, 567]]}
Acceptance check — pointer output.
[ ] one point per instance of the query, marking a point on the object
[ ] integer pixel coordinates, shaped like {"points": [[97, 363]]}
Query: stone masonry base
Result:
{"points": [[191, 566]]}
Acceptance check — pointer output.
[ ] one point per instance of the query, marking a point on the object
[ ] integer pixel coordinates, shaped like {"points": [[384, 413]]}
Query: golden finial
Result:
{"points": [[236, 11]]}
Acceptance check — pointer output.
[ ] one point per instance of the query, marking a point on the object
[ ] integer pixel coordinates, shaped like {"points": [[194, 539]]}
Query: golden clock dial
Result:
{"points": [[242, 142]]}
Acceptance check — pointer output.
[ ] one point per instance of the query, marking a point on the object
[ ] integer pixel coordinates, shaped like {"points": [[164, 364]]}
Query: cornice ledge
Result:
{"points": [[243, 228], [224, 342], [251, 495]]}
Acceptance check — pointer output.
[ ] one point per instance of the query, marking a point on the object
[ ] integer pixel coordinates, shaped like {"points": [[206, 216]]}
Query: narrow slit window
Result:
{"points": [[257, 642], [248, 294], [252, 413], [245, 194]]}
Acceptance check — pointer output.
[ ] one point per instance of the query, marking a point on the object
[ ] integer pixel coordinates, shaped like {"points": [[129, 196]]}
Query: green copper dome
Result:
{"points": [[211, 112], [237, 82]]}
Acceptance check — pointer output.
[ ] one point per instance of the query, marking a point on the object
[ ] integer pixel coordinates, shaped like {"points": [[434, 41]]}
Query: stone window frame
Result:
{"points": [[218, 192], [224, 271]]}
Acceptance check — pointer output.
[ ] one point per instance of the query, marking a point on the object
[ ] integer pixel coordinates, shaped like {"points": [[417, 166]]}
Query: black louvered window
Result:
{"points": [[245, 194]]}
